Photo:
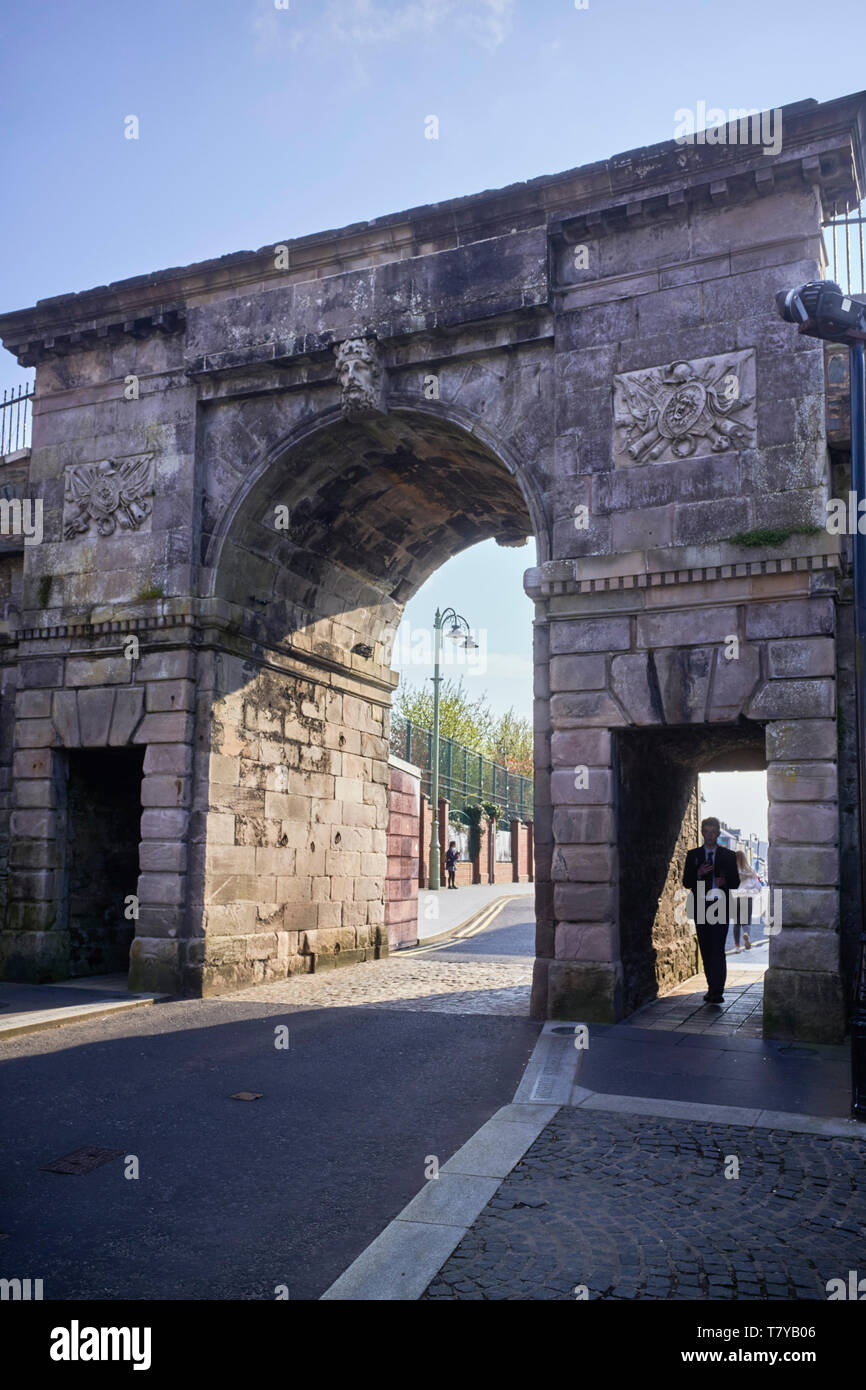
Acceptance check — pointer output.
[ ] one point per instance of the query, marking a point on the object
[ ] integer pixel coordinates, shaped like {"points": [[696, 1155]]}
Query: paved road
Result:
{"points": [[510, 936], [388, 1063]]}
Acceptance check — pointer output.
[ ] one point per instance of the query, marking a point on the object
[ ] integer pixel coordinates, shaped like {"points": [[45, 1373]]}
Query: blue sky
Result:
{"points": [[259, 123]]}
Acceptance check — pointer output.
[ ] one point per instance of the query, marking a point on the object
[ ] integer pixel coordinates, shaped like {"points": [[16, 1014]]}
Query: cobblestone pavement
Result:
{"points": [[633, 1207], [684, 1010], [435, 984]]}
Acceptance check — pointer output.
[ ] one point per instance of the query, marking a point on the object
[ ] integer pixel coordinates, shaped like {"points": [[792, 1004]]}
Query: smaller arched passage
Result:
{"points": [[658, 820], [289, 860]]}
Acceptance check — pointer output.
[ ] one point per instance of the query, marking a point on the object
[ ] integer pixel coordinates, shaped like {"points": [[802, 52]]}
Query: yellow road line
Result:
{"points": [[476, 925]]}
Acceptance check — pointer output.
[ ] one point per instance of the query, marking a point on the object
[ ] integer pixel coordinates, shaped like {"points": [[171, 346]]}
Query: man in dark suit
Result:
{"points": [[710, 874]]}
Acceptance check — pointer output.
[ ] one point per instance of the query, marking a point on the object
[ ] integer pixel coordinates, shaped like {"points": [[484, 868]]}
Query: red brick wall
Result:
{"points": [[519, 870], [401, 877]]}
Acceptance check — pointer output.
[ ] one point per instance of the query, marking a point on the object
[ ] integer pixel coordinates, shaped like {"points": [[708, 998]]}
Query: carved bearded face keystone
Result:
{"points": [[359, 368]]}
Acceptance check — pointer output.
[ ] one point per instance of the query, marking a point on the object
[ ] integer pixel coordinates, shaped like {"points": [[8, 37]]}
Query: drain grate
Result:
{"points": [[82, 1161]]}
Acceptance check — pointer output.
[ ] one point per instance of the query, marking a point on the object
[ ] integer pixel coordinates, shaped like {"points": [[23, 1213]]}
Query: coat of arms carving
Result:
{"points": [[668, 413], [108, 495]]}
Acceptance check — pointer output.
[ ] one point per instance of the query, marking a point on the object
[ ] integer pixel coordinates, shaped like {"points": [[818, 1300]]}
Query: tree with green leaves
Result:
{"points": [[506, 739], [461, 718]]}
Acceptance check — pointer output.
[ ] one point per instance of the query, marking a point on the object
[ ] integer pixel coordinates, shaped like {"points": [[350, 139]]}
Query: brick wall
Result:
{"points": [[401, 876]]}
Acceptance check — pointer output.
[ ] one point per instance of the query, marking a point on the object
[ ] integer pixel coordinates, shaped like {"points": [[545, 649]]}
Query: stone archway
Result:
{"points": [[402, 388], [322, 548]]}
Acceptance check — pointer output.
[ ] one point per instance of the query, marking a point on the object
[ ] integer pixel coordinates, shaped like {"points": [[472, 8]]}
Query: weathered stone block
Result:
{"points": [[797, 823], [684, 681], [174, 759], [791, 618], [568, 789], [90, 671], [161, 888], [802, 864], [583, 902], [584, 864], [35, 733], [164, 824], [65, 718], [128, 712], [805, 656], [808, 738], [803, 907], [584, 992], [165, 728], [580, 747], [95, 708], [808, 1005], [802, 781], [798, 948], [162, 857], [166, 695], [577, 673], [583, 825], [689, 627], [591, 707], [790, 699], [34, 795], [734, 681], [587, 941], [154, 966], [593, 635], [647, 526]]}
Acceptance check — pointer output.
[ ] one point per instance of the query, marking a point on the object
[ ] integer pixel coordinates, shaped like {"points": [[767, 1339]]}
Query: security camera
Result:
{"points": [[821, 310]]}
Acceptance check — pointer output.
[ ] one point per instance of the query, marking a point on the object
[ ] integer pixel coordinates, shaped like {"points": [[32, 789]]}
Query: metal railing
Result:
{"points": [[464, 776], [845, 243], [15, 418]]}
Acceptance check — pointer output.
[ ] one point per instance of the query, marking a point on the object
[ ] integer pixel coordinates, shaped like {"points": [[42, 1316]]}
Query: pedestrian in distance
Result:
{"points": [[451, 857], [710, 874], [750, 887]]}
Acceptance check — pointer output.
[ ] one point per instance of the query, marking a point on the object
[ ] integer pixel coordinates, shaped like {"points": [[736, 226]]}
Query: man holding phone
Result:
{"points": [[714, 867]]}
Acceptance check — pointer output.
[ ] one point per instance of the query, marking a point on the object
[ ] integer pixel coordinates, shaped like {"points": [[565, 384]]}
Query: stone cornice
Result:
{"points": [[560, 576], [204, 631], [829, 136]]}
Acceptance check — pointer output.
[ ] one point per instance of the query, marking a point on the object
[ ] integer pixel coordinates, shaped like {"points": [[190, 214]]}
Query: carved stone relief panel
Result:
{"points": [[671, 412], [108, 496]]}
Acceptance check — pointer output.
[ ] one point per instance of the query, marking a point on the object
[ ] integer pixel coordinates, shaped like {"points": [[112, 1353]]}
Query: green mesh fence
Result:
{"points": [[464, 776]]}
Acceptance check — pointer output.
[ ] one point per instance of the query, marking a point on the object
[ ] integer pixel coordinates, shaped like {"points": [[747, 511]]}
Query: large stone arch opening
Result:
{"points": [[332, 536], [309, 574]]}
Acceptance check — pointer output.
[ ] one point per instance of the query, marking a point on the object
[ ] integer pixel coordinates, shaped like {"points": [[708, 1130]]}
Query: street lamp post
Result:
{"points": [[459, 631], [822, 310], [858, 482]]}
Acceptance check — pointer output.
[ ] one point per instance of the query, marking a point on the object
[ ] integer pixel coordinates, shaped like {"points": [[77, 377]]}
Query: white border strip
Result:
{"points": [[401, 1262]]}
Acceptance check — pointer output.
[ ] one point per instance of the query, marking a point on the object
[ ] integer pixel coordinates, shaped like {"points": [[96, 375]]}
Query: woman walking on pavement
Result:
{"points": [[749, 884]]}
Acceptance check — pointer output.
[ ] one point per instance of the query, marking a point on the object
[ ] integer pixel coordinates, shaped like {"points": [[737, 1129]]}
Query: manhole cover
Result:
{"points": [[570, 1029], [247, 1095], [82, 1161]]}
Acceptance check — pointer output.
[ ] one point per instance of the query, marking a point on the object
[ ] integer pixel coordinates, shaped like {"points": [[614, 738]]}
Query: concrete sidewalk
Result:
{"points": [[610, 1176], [447, 910], [30, 1008]]}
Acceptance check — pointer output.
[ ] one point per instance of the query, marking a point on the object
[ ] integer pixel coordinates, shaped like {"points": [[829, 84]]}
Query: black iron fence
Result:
{"points": [[464, 776], [15, 416], [845, 242]]}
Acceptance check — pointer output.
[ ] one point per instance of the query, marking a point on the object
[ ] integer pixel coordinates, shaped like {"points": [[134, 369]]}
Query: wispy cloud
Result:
{"points": [[371, 23]]}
